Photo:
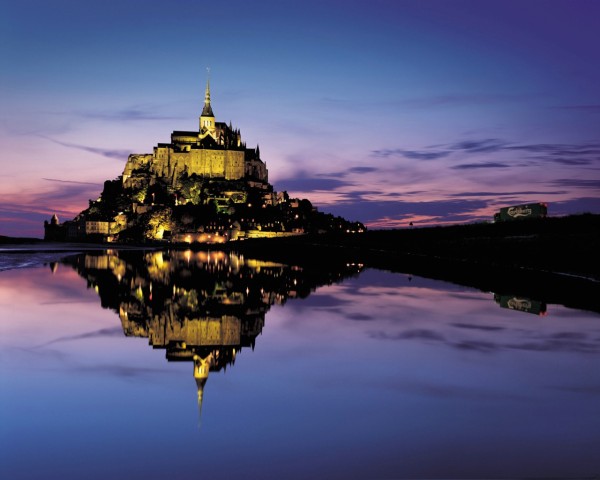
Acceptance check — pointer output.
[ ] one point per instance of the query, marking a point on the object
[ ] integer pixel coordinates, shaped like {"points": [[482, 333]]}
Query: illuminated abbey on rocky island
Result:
{"points": [[204, 186]]}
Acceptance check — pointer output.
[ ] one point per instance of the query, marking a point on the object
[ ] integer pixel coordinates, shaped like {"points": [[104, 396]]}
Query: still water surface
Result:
{"points": [[210, 365]]}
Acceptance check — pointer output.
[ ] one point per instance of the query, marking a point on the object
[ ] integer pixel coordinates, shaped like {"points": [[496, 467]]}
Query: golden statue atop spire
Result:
{"points": [[207, 92]]}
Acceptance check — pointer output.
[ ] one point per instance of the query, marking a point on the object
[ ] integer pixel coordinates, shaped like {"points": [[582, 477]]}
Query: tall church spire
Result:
{"points": [[207, 110]]}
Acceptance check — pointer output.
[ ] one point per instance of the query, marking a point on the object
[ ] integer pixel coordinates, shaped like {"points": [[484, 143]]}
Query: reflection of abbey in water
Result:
{"points": [[203, 307]]}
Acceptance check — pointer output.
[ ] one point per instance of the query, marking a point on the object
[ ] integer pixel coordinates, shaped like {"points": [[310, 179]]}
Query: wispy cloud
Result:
{"points": [[471, 166], [359, 317], [117, 154], [411, 154], [24, 214], [554, 152], [121, 371], [303, 182], [132, 113], [478, 146], [550, 150], [575, 342], [394, 210], [506, 194], [316, 301], [135, 113], [362, 169], [560, 342], [71, 181], [470, 326], [576, 183], [572, 161], [66, 192], [417, 334], [102, 333], [59, 197]]}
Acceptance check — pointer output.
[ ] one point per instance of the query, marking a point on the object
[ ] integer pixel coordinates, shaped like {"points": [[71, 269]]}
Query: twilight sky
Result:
{"points": [[434, 111]]}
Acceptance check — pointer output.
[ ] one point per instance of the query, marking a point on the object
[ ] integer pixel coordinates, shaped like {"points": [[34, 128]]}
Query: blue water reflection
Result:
{"points": [[376, 375]]}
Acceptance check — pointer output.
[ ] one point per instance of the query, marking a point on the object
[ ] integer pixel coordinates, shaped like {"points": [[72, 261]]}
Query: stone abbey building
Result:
{"points": [[216, 150]]}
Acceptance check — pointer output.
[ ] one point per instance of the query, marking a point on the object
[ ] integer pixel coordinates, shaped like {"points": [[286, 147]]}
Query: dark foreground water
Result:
{"points": [[209, 365]]}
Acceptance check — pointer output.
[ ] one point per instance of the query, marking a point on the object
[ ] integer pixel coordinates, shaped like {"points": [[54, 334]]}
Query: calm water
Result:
{"points": [[209, 365]]}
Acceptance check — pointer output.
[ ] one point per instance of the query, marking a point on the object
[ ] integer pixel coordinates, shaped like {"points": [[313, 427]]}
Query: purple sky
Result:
{"points": [[381, 111]]}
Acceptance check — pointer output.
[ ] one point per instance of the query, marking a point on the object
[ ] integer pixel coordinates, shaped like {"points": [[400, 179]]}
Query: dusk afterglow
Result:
{"points": [[384, 112]]}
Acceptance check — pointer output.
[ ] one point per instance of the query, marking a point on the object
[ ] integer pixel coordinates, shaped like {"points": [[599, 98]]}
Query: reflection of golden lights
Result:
{"points": [[139, 293], [219, 256]]}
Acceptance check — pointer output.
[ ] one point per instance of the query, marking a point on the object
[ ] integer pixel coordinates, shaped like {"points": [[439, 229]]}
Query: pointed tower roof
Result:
{"points": [[207, 110]]}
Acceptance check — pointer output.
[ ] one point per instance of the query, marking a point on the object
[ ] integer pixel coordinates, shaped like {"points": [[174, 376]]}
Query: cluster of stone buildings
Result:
{"points": [[215, 151], [211, 166]]}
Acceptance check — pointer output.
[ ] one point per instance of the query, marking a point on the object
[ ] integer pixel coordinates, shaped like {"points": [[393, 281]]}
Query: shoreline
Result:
{"points": [[67, 247], [550, 287], [555, 260]]}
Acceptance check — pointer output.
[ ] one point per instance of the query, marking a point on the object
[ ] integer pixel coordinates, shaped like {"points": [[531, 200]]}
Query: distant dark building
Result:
{"points": [[53, 230]]}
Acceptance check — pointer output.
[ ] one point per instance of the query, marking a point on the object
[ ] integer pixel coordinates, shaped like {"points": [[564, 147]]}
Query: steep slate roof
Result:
{"points": [[207, 111], [209, 141]]}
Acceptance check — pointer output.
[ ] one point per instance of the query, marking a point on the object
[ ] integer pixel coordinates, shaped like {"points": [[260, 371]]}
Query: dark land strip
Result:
{"points": [[552, 260]]}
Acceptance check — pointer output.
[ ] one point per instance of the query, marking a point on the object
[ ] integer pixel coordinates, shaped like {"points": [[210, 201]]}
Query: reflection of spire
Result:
{"points": [[201, 371]]}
